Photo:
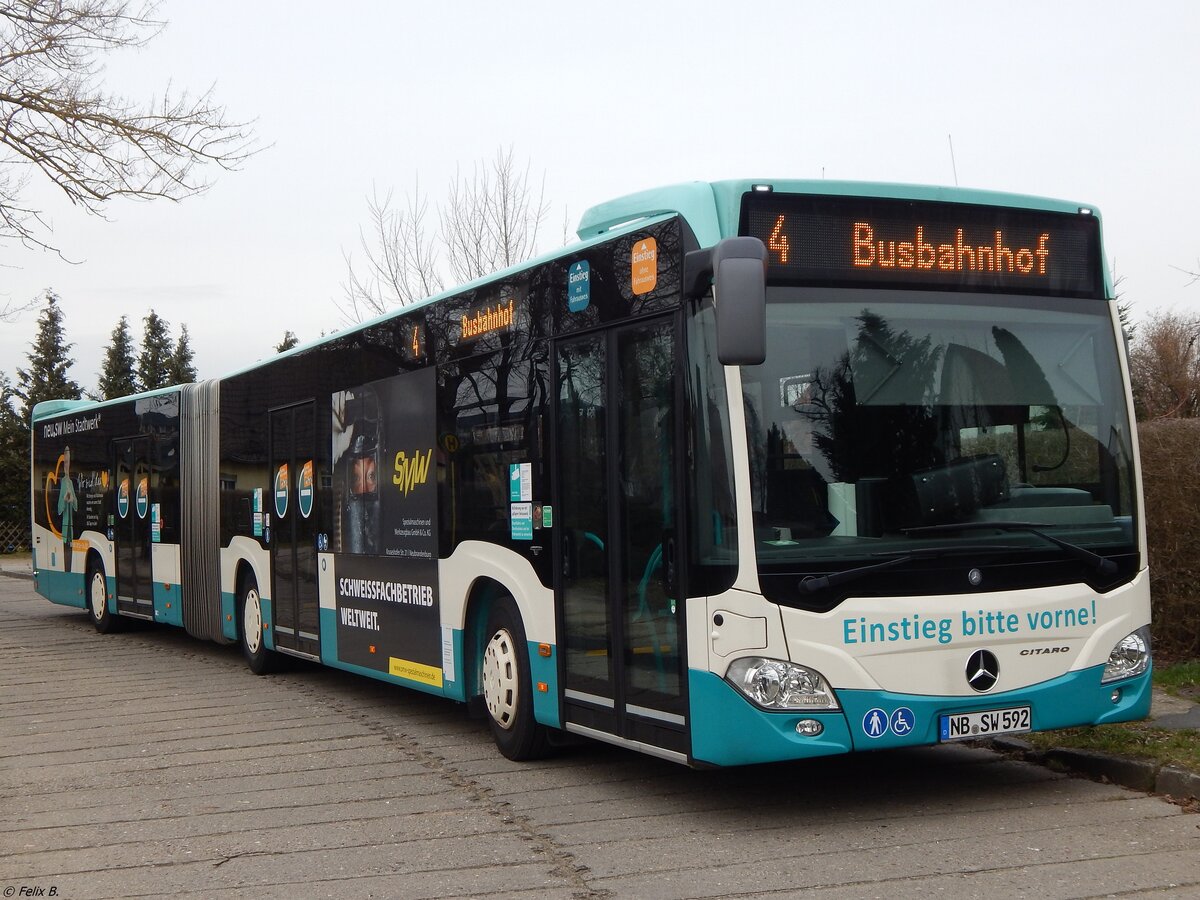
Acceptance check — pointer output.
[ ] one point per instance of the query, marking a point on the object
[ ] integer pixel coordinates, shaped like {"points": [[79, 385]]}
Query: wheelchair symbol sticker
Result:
{"points": [[875, 723], [902, 721]]}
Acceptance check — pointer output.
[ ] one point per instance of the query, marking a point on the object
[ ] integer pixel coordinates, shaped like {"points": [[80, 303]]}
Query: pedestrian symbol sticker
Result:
{"points": [[875, 723], [902, 721]]}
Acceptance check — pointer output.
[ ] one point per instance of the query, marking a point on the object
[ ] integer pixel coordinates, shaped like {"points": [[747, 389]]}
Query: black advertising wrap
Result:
{"points": [[385, 526]]}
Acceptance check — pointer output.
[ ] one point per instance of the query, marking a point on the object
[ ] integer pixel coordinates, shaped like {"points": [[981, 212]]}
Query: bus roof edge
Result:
{"points": [[693, 200]]}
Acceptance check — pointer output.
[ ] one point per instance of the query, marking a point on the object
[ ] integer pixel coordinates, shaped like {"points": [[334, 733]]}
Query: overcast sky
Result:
{"points": [[1094, 102]]}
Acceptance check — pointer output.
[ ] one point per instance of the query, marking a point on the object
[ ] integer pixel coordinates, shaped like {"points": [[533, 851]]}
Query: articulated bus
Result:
{"points": [[755, 471]]}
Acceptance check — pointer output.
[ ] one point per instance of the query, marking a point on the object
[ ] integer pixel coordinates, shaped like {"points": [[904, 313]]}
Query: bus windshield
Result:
{"points": [[875, 417]]}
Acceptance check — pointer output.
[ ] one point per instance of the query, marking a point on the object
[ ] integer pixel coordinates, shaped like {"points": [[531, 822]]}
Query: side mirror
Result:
{"points": [[738, 268]]}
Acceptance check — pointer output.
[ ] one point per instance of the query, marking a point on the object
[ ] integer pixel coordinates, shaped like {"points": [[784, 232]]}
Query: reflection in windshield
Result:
{"points": [[869, 418]]}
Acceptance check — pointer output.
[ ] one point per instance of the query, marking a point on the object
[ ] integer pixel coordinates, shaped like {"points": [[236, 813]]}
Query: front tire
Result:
{"points": [[507, 686], [104, 621], [250, 631]]}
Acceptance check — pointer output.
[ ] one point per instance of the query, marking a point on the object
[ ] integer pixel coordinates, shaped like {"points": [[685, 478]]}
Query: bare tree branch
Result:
{"points": [[492, 221], [1193, 274], [401, 260], [11, 311], [1164, 363], [56, 119], [488, 223]]}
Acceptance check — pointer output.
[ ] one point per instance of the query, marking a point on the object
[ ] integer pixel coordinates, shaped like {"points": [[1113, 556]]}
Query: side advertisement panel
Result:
{"points": [[70, 486], [385, 527]]}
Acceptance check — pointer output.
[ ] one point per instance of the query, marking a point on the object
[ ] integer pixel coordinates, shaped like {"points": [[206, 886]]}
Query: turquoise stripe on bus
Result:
{"points": [[168, 608], [544, 669], [1077, 698], [229, 622], [329, 657], [728, 730], [268, 623], [329, 636], [66, 588]]}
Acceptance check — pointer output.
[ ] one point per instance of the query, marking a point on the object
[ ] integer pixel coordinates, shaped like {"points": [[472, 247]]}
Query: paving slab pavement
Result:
{"points": [[147, 764]]}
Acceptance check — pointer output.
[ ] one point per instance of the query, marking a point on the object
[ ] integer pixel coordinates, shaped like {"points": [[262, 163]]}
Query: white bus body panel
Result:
{"points": [[472, 560], [164, 563], [259, 559], [1048, 632], [49, 556]]}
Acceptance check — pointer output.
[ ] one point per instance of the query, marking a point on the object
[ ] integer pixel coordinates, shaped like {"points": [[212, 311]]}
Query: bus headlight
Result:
{"points": [[1130, 657], [776, 684]]}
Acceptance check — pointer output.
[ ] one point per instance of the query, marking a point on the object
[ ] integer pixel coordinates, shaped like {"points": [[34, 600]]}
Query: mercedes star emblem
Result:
{"points": [[982, 670]]}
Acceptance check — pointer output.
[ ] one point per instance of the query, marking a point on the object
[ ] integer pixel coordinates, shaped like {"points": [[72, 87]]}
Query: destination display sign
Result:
{"points": [[868, 241], [488, 318]]}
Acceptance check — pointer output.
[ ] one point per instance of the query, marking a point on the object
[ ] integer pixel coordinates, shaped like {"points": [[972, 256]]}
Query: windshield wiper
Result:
{"points": [[1098, 563], [811, 584]]}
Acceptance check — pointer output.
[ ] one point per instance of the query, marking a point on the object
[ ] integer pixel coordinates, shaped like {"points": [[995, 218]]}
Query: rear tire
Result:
{"points": [[507, 686], [104, 621], [250, 630]]}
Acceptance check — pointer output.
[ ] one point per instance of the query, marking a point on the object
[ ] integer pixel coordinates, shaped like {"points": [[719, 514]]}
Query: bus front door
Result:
{"points": [[618, 568], [132, 528], [294, 601]]}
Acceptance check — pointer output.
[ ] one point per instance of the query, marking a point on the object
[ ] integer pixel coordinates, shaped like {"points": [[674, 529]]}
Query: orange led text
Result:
{"points": [[488, 319], [959, 256], [778, 241]]}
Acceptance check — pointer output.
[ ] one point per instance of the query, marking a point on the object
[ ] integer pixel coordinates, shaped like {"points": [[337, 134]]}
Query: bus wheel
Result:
{"points": [[97, 589], [507, 688], [260, 660]]}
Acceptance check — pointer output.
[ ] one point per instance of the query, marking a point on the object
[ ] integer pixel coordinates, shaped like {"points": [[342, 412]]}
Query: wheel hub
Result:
{"points": [[99, 596], [500, 686], [252, 620]]}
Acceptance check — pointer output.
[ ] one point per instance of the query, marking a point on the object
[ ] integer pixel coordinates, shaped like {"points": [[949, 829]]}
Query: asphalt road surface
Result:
{"points": [[148, 764]]}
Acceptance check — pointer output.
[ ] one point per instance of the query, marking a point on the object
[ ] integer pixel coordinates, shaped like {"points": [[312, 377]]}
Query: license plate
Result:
{"points": [[964, 726]]}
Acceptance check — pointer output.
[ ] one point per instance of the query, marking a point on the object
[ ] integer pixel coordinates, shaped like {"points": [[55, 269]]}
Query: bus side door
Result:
{"points": [[618, 571], [135, 578], [294, 600]]}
